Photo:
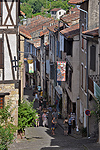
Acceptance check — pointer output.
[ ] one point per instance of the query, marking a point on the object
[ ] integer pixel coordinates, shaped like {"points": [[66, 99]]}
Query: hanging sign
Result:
{"points": [[61, 71], [31, 70]]}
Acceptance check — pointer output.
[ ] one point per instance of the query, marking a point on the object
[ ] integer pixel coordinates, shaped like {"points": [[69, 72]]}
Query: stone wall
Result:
{"points": [[13, 97]]}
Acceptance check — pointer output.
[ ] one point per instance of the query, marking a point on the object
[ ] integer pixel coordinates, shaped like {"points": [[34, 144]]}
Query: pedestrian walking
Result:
{"points": [[55, 114], [69, 124], [53, 122], [44, 119], [37, 120], [65, 126], [40, 104], [44, 103]]}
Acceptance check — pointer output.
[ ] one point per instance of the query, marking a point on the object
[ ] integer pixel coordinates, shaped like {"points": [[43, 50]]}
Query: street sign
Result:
{"points": [[87, 112]]}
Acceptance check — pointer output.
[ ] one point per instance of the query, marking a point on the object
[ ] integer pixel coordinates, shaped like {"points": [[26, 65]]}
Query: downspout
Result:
{"points": [[78, 7]]}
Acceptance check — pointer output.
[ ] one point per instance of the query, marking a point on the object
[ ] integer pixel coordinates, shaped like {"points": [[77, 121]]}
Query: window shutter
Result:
{"points": [[1, 54], [57, 50], [1, 102], [66, 71], [52, 72], [0, 9], [92, 57], [65, 45]]}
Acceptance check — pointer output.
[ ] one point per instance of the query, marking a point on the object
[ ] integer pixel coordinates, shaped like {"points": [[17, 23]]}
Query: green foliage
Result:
{"points": [[26, 115], [7, 129], [96, 111], [30, 7]]}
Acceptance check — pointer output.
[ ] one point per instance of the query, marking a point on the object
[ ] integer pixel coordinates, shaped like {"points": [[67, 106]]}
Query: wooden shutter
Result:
{"points": [[82, 76], [1, 54], [92, 57], [65, 45], [82, 38], [66, 71], [1, 102], [70, 79]]}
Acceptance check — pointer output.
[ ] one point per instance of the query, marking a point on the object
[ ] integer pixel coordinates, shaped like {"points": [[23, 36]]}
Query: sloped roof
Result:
{"points": [[74, 9], [44, 32], [77, 1], [71, 31], [93, 32], [55, 9], [36, 42], [24, 32], [70, 17], [54, 27]]}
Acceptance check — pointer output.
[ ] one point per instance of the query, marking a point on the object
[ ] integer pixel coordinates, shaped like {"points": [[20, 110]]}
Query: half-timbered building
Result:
{"points": [[9, 83]]}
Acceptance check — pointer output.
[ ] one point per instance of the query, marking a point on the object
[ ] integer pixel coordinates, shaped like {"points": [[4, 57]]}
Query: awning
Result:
{"points": [[58, 89]]}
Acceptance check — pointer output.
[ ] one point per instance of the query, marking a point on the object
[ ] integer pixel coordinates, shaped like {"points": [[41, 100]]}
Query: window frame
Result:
{"points": [[82, 66]]}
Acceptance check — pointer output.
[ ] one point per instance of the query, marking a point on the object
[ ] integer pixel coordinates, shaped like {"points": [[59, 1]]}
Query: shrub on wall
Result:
{"points": [[7, 129]]}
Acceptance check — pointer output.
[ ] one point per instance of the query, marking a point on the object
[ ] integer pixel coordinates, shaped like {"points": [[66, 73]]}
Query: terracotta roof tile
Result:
{"points": [[70, 17], [76, 1], [93, 32], [55, 9], [24, 32], [71, 31], [54, 27], [22, 13], [44, 32], [39, 24], [36, 42], [74, 9]]}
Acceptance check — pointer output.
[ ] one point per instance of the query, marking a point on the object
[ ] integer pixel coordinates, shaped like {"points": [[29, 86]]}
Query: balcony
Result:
{"points": [[93, 85]]}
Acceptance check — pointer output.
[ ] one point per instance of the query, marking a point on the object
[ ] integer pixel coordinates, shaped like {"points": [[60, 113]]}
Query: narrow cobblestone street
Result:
{"points": [[40, 138]]}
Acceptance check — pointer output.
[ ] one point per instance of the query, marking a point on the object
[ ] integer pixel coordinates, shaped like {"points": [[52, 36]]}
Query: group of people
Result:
{"points": [[42, 107], [67, 122]]}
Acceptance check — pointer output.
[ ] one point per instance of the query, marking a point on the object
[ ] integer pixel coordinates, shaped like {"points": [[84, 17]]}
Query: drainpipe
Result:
{"points": [[78, 7]]}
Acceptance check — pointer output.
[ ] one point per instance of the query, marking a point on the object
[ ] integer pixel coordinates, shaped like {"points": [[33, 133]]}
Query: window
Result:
{"points": [[0, 12], [68, 46], [1, 102], [85, 81], [1, 54], [82, 38], [92, 57], [70, 79], [69, 76], [82, 75], [59, 13]]}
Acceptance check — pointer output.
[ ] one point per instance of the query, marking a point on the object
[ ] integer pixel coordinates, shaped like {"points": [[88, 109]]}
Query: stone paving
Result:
{"points": [[40, 138]]}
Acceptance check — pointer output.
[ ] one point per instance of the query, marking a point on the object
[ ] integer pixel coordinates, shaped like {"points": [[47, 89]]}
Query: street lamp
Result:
{"points": [[30, 59]]}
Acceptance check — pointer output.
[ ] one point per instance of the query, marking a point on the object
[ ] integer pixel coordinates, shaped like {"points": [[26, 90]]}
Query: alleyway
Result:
{"points": [[40, 138]]}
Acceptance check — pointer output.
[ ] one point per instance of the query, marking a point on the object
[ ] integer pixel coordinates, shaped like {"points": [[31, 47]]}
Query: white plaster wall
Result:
{"points": [[7, 63], [62, 13]]}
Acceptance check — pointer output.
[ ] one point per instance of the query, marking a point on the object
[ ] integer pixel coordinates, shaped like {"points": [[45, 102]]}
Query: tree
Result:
{"points": [[7, 129], [35, 5]]}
